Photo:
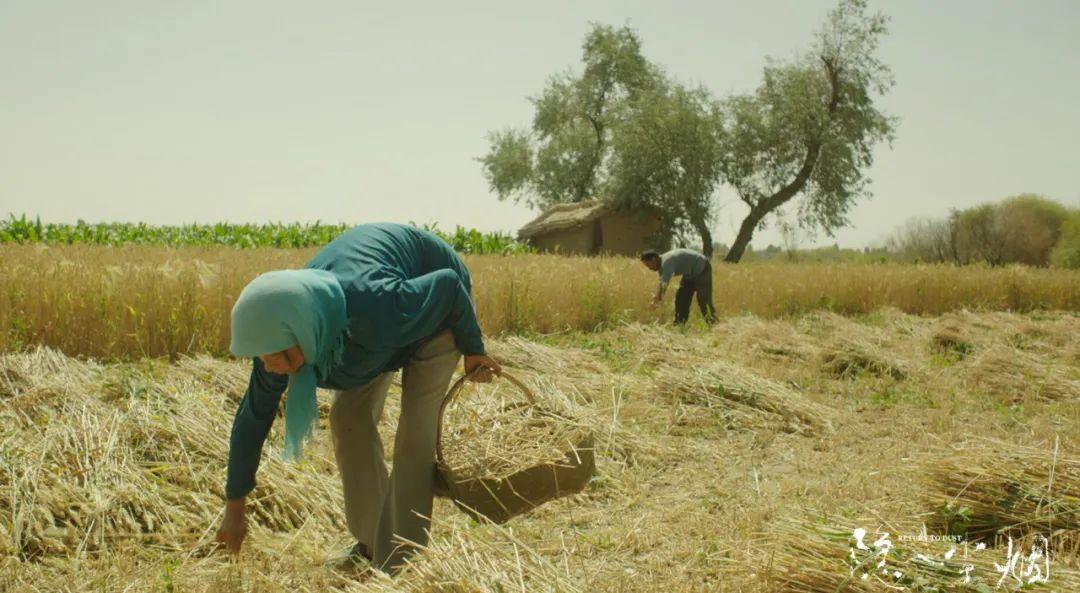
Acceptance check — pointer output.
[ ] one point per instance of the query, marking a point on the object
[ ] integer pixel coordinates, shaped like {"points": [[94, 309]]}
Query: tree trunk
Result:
{"points": [[954, 249], [746, 232], [767, 205], [706, 237]]}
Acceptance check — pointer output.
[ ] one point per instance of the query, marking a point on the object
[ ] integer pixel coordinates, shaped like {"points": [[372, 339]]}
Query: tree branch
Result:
{"points": [[813, 150], [833, 71]]}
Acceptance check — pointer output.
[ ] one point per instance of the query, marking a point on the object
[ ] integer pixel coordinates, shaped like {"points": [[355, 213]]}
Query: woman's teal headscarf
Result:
{"points": [[281, 309]]}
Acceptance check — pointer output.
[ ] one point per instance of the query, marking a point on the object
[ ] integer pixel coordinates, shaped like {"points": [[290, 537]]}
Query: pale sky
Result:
{"points": [[244, 111]]}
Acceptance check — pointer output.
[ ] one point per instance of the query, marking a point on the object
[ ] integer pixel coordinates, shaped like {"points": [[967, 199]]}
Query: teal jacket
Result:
{"points": [[402, 285]]}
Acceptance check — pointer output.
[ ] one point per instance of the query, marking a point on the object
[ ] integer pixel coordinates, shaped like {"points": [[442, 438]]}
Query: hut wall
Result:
{"points": [[574, 240], [624, 235]]}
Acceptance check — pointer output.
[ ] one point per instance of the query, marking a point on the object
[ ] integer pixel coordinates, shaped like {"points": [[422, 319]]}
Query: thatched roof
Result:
{"points": [[562, 217]]}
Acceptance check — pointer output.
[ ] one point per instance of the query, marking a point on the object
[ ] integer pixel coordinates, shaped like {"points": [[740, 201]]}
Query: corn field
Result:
{"points": [[247, 236]]}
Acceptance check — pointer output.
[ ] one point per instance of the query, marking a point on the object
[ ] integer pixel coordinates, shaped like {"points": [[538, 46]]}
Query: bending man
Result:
{"points": [[696, 272]]}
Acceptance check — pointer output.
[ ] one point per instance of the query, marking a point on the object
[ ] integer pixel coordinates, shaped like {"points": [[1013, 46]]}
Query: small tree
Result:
{"points": [[1066, 253], [789, 233], [980, 234], [1020, 229], [925, 239], [810, 127], [1032, 226]]}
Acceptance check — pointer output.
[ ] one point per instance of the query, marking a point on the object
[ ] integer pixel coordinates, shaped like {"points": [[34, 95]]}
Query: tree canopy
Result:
{"points": [[810, 128], [623, 131], [563, 157], [1066, 253]]}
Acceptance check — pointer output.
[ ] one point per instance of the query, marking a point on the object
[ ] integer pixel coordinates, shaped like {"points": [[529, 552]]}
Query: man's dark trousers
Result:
{"points": [[700, 285]]}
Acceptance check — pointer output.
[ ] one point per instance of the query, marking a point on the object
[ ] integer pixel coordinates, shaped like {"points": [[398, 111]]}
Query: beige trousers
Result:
{"points": [[390, 514]]}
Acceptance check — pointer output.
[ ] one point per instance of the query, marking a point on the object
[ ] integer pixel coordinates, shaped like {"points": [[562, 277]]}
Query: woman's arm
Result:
{"points": [[250, 426]]}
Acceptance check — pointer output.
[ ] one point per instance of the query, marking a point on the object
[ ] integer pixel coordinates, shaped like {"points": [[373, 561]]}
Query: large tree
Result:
{"points": [[619, 131], [810, 128], [563, 158], [666, 159]]}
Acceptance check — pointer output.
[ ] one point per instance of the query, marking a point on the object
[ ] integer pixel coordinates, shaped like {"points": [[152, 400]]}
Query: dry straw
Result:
{"points": [[111, 475], [96, 453], [1016, 375], [950, 338], [965, 332], [573, 383], [848, 358], [772, 339], [988, 487], [127, 462], [460, 560], [496, 562], [570, 366], [725, 386], [686, 372]]}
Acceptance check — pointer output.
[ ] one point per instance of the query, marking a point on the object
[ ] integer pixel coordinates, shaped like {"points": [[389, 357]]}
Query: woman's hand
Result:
{"points": [[484, 367], [233, 525]]}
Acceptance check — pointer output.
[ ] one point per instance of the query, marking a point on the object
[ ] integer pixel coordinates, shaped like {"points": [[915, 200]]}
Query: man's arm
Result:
{"points": [[667, 270], [660, 293]]}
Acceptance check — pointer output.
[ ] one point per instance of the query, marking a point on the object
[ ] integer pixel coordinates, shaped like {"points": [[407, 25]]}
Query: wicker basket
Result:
{"points": [[499, 499]]}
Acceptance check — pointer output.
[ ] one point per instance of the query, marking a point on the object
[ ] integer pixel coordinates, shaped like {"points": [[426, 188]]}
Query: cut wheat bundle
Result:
{"points": [[848, 358], [1007, 372], [210, 373], [725, 385], [987, 488], [498, 442], [770, 338], [651, 343], [950, 338], [44, 373], [520, 353], [827, 325], [486, 560], [100, 460]]}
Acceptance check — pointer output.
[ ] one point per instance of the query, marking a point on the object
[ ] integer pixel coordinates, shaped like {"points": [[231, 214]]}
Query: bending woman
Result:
{"points": [[379, 298]]}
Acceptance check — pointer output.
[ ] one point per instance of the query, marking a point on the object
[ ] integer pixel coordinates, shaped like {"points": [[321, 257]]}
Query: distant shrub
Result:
{"points": [[1066, 253]]}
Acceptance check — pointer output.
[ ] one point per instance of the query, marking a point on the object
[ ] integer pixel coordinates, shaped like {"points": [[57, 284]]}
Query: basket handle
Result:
{"points": [[453, 393]]}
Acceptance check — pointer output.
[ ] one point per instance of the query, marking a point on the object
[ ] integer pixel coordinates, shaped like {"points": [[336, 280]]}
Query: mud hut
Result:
{"points": [[589, 228]]}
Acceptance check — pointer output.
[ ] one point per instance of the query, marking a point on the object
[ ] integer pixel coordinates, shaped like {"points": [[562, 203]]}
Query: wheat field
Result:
{"points": [[116, 302], [742, 457]]}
